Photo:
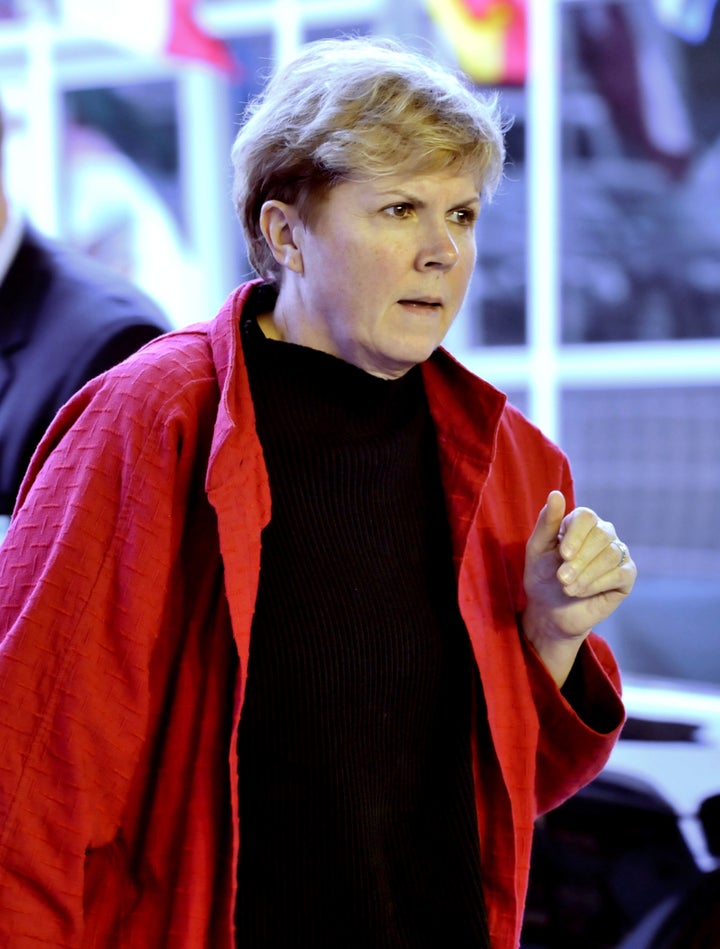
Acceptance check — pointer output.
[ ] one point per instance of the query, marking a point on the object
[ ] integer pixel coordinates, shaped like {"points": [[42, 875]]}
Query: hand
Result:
{"points": [[576, 574]]}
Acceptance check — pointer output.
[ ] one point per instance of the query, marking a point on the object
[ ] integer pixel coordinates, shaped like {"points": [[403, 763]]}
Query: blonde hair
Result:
{"points": [[356, 107]]}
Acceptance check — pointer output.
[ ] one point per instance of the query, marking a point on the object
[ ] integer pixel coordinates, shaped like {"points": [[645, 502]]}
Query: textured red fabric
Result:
{"points": [[128, 581]]}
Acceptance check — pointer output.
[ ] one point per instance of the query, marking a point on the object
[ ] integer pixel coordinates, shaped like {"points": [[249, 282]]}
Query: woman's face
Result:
{"points": [[381, 269]]}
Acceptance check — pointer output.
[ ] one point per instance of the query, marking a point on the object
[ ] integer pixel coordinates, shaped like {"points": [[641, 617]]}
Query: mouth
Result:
{"points": [[422, 303]]}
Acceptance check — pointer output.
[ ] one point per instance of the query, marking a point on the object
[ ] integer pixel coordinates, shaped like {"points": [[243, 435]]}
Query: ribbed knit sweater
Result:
{"points": [[357, 815]]}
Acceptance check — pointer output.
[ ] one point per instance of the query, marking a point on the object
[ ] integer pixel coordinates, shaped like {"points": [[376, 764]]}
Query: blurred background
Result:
{"points": [[596, 303]]}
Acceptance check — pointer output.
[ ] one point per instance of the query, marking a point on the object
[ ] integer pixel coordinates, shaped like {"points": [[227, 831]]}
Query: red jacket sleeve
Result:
{"points": [[84, 574], [573, 747]]}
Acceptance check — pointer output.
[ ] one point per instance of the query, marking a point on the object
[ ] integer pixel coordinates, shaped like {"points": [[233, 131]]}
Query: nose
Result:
{"points": [[438, 250]]}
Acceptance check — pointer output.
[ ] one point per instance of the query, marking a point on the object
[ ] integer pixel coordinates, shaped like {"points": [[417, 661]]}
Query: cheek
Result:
{"points": [[466, 264], [374, 269], [469, 250], [390, 261], [355, 257]]}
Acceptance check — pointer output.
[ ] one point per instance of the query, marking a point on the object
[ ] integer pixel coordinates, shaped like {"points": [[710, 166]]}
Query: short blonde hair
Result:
{"points": [[356, 106]]}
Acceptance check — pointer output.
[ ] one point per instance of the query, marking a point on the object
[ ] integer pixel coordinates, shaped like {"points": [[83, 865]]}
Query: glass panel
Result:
{"points": [[497, 296], [519, 398], [649, 460], [9, 10], [121, 189], [313, 33], [137, 121], [641, 174], [256, 59], [255, 56]]}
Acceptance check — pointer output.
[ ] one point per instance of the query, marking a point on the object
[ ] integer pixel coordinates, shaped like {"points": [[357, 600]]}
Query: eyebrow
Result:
{"points": [[419, 202]]}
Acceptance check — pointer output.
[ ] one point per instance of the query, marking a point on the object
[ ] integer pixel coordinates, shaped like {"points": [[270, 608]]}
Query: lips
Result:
{"points": [[423, 302]]}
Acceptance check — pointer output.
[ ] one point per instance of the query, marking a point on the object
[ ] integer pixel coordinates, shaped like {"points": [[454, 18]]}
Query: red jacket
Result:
{"points": [[124, 634]]}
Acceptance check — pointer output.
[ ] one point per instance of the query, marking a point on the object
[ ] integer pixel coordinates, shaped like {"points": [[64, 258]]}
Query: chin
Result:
{"points": [[397, 364]]}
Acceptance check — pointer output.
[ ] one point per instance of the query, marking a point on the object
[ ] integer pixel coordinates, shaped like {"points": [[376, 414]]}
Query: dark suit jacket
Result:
{"points": [[63, 320]]}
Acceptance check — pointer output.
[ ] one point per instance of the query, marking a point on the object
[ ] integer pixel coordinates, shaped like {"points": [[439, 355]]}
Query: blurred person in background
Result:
{"points": [[296, 635], [63, 320]]}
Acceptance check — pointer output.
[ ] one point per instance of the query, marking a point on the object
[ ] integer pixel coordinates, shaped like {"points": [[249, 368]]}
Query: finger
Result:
{"points": [[622, 550], [545, 535], [609, 560], [583, 531], [616, 566], [584, 547], [612, 569]]}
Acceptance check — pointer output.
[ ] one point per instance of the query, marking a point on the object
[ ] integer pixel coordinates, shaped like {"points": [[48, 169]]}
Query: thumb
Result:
{"points": [[545, 535]]}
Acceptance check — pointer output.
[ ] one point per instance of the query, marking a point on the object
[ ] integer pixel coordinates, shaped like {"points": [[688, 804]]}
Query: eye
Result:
{"points": [[463, 216], [401, 211]]}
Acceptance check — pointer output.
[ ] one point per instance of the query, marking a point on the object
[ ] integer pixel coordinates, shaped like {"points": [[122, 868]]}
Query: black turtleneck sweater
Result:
{"points": [[357, 815]]}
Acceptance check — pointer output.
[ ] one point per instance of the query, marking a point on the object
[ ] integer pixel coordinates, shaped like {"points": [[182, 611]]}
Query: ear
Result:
{"points": [[279, 223]]}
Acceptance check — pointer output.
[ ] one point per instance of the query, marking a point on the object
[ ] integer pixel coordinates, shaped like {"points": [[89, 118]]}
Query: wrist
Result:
{"points": [[557, 650]]}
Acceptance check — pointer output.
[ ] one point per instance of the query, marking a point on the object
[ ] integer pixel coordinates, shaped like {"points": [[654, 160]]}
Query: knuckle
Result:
{"points": [[600, 534]]}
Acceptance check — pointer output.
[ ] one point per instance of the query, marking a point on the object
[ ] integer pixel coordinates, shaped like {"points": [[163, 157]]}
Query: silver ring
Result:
{"points": [[623, 551]]}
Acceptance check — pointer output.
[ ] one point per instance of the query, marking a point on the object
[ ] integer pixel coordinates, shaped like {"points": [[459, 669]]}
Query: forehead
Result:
{"points": [[447, 185]]}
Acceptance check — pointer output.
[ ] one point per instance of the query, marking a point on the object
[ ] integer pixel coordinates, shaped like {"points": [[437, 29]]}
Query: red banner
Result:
{"points": [[149, 27], [489, 37], [187, 39]]}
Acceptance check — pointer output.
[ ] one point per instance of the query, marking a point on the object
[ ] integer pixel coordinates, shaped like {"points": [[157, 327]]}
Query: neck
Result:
{"points": [[266, 322]]}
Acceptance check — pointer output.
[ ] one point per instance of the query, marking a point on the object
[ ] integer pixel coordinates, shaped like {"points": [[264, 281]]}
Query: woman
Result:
{"points": [[296, 638]]}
